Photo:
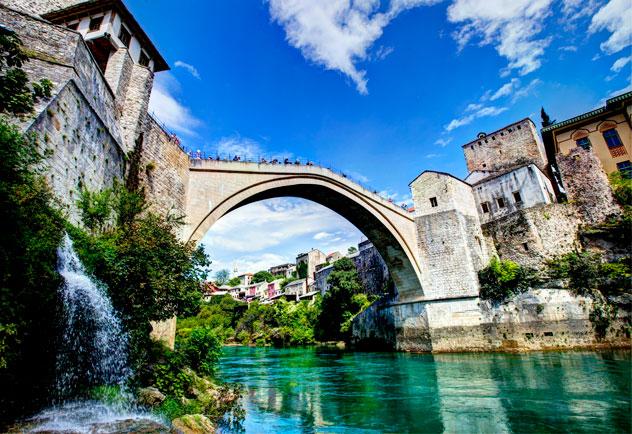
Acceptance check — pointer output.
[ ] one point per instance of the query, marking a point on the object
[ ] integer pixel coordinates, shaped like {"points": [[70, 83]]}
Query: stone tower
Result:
{"points": [[450, 240]]}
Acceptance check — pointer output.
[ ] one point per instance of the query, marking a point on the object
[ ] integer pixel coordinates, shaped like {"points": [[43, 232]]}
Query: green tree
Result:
{"points": [[235, 281], [351, 250], [32, 230], [150, 273], [262, 276], [343, 301], [222, 276]]}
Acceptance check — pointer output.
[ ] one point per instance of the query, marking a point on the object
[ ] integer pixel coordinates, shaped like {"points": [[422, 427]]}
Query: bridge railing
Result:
{"points": [[283, 161], [271, 160]]}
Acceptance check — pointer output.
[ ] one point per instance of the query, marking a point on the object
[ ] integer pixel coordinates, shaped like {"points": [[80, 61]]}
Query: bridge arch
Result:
{"points": [[217, 188]]}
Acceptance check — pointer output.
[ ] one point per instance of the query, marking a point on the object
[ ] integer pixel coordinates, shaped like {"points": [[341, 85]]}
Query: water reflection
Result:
{"points": [[313, 390]]}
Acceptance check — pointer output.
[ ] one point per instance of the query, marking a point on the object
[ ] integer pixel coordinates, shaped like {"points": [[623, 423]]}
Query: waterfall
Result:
{"points": [[93, 351], [93, 348]]}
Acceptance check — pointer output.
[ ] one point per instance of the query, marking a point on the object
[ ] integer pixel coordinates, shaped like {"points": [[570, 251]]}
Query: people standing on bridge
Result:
{"points": [[286, 161]]}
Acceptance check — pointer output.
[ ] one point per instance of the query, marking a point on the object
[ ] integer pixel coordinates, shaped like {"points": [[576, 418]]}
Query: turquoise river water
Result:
{"points": [[323, 390]]}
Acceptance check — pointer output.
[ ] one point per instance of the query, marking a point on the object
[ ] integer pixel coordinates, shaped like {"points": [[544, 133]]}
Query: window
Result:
{"points": [[501, 202], [583, 143], [519, 127], [95, 23], [73, 26], [612, 138], [485, 207], [433, 202], [143, 59], [517, 197], [125, 36], [625, 167], [525, 246]]}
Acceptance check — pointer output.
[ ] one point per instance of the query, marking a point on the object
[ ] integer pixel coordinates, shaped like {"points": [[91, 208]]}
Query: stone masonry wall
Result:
{"points": [[164, 170], [587, 185], [372, 270], [513, 145], [450, 241], [79, 150], [39, 7], [60, 54], [134, 107], [533, 235]]}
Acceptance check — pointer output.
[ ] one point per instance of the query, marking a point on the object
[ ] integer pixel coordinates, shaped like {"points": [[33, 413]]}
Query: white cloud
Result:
{"points": [[568, 48], [166, 107], [443, 142], [322, 235], [190, 68], [480, 113], [620, 63], [357, 176], [615, 17], [238, 146], [505, 89], [573, 10], [263, 225], [512, 27], [434, 155], [337, 34], [525, 91]]}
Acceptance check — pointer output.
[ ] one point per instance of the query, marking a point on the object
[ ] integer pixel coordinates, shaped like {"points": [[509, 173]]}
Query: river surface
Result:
{"points": [[318, 390]]}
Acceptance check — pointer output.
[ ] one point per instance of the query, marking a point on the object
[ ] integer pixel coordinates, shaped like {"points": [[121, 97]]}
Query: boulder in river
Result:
{"points": [[150, 396], [193, 424]]}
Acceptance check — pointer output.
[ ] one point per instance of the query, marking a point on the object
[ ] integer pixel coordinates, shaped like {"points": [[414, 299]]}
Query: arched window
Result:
{"points": [[612, 138], [581, 139]]}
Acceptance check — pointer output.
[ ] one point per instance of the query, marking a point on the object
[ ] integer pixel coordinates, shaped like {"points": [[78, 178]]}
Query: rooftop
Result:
{"points": [[480, 136], [611, 104], [91, 7]]}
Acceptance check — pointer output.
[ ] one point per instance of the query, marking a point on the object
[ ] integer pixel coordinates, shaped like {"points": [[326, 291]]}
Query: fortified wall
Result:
{"points": [[102, 65], [505, 207]]}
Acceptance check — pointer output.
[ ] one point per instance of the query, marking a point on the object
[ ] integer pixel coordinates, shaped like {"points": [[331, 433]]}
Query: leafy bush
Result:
{"points": [[621, 185], [173, 408], [501, 280], [201, 350], [235, 281], [587, 272], [262, 276]]}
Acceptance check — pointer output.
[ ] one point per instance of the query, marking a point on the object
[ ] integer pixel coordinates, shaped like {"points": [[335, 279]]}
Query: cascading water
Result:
{"points": [[92, 352], [93, 348]]}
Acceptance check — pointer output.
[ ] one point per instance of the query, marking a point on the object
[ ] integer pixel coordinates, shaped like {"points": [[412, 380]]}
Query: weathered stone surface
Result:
{"points": [[536, 320], [515, 144], [150, 396], [193, 424], [534, 235], [587, 185], [79, 149]]}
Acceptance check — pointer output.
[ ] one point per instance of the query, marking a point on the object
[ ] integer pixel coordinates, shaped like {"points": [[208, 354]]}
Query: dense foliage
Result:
{"points": [[587, 272], [151, 274], [32, 230], [344, 300], [263, 276], [501, 280], [282, 323]]}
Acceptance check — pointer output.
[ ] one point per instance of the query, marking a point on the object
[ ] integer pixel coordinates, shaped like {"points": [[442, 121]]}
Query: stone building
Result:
{"points": [[285, 270], [312, 258]]}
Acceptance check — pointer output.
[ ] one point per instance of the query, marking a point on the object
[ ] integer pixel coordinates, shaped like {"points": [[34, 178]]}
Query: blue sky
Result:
{"points": [[380, 90]]}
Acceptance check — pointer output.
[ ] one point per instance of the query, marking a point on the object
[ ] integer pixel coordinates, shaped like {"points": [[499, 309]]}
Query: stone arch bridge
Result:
{"points": [[217, 187]]}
